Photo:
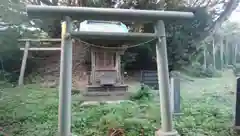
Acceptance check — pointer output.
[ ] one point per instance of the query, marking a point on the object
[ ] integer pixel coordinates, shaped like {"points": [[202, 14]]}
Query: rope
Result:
{"points": [[123, 47]]}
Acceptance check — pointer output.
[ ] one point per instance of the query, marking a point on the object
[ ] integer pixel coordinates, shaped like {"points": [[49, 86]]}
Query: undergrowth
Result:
{"points": [[33, 111], [197, 70]]}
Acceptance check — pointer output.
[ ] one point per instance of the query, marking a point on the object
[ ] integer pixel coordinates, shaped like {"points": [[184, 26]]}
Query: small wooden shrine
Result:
{"points": [[105, 79]]}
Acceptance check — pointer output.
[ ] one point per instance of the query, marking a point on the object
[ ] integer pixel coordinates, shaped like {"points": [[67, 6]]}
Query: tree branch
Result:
{"points": [[55, 2], [47, 2], [38, 2], [230, 7]]}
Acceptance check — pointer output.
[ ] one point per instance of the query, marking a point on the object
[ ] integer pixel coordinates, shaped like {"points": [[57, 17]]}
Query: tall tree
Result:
{"points": [[12, 12], [13, 25], [183, 39]]}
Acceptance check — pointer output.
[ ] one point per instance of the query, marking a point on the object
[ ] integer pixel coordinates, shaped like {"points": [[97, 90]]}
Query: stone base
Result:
{"points": [[236, 127], [105, 102], [178, 114], [161, 133]]}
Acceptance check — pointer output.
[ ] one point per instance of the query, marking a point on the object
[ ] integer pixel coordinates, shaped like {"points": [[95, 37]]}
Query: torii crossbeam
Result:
{"points": [[82, 13]]}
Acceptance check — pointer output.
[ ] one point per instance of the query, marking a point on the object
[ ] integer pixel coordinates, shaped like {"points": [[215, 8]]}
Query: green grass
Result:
{"points": [[207, 108]]}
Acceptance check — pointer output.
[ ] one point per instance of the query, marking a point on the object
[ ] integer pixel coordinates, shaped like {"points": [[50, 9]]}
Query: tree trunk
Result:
{"points": [[226, 52], [213, 53], [234, 54], [230, 7], [205, 57], [221, 55]]}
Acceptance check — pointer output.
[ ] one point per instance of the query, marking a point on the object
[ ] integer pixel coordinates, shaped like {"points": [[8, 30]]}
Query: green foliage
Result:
{"points": [[184, 37], [10, 55], [197, 70], [12, 12], [14, 24], [143, 94], [230, 30], [182, 40], [21, 108], [8, 40], [32, 110], [236, 69]]}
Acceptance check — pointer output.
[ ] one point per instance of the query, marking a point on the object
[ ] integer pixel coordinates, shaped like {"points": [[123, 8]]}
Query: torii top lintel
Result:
{"points": [[86, 13]]}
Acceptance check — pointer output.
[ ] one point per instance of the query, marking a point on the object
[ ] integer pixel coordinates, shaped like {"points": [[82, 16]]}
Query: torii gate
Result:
{"points": [[84, 13]]}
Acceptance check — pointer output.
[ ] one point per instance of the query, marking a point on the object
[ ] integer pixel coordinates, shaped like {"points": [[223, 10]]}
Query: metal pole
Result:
{"points": [[42, 49], [87, 13], [24, 61], [40, 40], [65, 85], [163, 81]]}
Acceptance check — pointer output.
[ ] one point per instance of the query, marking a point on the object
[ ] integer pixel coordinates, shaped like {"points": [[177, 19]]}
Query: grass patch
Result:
{"points": [[32, 111]]}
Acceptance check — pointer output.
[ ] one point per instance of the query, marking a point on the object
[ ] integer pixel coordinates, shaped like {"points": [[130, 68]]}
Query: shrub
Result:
{"points": [[197, 70], [143, 94]]}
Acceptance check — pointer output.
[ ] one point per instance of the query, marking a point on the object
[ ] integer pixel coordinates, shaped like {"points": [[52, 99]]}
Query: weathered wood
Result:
{"points": [[86, 13], [118, 67], [105, 66], [42, 49], [150, 78], [40, 40], [109, 96], [93, 62], [24, 62]]}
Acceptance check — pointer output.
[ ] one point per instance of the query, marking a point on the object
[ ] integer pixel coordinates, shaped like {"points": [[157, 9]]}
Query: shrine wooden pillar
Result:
{"points": [[93, 66], [118, 66]]}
